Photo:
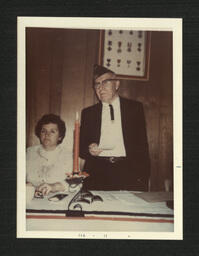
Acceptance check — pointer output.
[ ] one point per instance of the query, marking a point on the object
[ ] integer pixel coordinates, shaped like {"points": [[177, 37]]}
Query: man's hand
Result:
{"points": [[94, 150]]}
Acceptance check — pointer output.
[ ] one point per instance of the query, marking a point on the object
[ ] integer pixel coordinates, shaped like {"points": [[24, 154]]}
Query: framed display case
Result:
{"points": [[126, 52]]}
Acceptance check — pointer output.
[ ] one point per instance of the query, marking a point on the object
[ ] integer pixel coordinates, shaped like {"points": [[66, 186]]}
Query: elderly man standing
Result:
{"points": [[113, 139]]}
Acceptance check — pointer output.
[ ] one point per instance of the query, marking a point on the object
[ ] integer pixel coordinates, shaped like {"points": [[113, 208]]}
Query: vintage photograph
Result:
{"points": [[99, 128]]}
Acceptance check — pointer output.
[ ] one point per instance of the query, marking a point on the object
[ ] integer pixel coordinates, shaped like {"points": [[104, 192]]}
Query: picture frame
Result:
{"points": [[134, 59]]}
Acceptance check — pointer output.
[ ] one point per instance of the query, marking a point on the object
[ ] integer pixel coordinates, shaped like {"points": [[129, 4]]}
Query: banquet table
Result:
{"points": [[117, 211]]}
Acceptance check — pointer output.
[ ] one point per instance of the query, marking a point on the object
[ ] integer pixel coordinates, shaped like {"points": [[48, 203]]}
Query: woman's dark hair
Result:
{"points": [[51, 118]]}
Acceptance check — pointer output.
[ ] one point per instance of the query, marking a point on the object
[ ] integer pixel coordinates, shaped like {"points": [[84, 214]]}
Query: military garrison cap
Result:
{"points": [[100, 70]]}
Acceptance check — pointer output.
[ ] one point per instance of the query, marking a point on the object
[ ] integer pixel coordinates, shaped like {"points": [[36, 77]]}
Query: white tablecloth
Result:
{"points": [[119, 211]]}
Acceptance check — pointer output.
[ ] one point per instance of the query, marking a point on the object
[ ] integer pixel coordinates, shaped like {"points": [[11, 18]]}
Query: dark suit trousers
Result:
{"points": [[105, 175]]}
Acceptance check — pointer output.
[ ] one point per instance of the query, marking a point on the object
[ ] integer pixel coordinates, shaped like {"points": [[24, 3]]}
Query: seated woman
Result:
{"points": [[48, 163]]}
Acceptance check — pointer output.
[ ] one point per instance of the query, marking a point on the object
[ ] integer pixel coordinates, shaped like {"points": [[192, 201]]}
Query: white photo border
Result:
{"points": [[147, 24]]}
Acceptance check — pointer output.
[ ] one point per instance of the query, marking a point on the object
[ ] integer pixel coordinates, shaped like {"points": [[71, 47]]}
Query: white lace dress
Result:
{"points": [[47, 166]]}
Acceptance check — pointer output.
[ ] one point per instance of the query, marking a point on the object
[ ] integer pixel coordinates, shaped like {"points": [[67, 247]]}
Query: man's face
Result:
{"points": [[106, 87]]}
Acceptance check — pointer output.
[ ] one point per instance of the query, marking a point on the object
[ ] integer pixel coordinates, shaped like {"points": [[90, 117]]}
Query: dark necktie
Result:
{"points": [[111, 112]]}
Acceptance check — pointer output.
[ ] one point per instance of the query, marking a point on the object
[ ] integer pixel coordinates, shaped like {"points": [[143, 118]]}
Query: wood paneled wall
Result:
{"points": [[59, 80], [156, 95]]}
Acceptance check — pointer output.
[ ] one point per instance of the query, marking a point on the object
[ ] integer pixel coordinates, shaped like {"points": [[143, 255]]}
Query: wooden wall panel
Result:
{"points": [[91, 59], [59, 80], [166, 110], [44, 76], [73, 77], [79, 55], [156, 96], [56, 71], [38, 78]]}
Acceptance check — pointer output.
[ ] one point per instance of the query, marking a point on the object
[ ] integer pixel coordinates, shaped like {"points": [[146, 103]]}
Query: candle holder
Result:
{"points": [[76, 205], [76, 178]]}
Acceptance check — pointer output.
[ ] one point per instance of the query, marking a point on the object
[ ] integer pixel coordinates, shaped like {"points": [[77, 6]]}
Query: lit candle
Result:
{"points": [[76, 145]]}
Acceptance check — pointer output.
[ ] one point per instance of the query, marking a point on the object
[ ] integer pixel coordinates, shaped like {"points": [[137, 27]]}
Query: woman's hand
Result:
{"points": [[45, 189], [94, 150]]}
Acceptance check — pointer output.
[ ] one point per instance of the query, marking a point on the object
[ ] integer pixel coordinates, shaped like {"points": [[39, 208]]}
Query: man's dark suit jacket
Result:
{"points": [[134, 134]]}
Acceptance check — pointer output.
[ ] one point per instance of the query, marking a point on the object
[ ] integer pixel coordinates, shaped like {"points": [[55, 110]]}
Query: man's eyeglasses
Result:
{"points": [[104, 83]]}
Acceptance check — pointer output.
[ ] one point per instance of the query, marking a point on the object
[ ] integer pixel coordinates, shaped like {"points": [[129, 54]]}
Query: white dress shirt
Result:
{"points": [[111, 139]]}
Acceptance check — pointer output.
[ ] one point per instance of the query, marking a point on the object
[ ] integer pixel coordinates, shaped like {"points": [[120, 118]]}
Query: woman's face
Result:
{"points": [[49, 136]]}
